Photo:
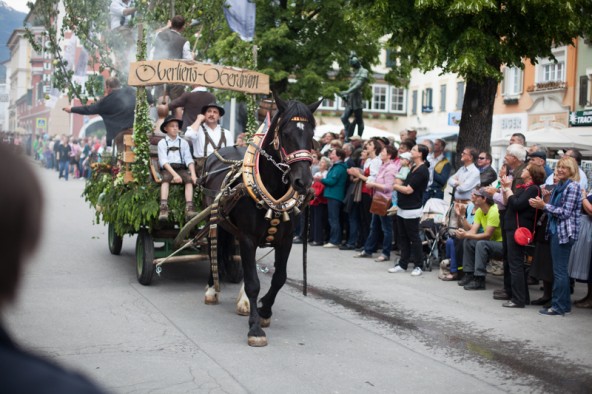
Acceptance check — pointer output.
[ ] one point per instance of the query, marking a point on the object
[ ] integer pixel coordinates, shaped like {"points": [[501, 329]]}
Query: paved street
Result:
{"points": [[360, 329]]}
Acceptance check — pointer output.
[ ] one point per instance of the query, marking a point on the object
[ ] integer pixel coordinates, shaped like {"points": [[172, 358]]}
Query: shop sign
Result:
{"points": [[580, 118]]}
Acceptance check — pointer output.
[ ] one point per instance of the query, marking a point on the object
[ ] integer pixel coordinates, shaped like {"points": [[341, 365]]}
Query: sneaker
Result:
{"points": [[346, 247], [396, 269], [362, 254], [549, 312], [330, 245], [381, 258], [297, 240], [416, 271]]}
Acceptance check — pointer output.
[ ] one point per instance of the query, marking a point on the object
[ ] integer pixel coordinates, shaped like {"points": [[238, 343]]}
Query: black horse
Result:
{"points": [[263, 212]]}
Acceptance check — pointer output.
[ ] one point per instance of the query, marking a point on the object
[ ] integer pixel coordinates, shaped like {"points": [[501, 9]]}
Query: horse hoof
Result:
{"points": [[211, 300], [243, 309], [264, 322], [257, 341]]}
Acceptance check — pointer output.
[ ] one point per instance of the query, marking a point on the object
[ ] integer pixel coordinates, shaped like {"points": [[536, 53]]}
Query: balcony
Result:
{"points": [[547, 86]]}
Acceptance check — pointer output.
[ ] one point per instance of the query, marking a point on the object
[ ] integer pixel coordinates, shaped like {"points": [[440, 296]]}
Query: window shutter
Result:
{"points": [[583, 90]]}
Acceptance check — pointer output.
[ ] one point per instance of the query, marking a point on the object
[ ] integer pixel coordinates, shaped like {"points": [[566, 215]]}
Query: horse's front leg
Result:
{"points": [[282, 252], [256, 336]]}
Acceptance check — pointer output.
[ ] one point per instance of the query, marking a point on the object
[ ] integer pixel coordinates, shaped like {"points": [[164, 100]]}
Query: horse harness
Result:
{"points": [[278, 210]]}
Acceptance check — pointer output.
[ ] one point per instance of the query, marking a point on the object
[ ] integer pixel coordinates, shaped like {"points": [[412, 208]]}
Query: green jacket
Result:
{"points": [[335, 181]]}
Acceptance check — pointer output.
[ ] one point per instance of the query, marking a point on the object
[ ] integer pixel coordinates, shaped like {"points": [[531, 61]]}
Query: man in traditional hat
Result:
{"points": [[207, 135], [176, 165]]}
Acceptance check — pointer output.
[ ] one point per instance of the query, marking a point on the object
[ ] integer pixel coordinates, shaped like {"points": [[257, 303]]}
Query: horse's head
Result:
{"points": [[293, 128]]}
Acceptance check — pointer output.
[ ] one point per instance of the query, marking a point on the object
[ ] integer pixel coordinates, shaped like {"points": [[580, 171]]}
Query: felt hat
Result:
{"points": [[168, 120], [212, 105]]}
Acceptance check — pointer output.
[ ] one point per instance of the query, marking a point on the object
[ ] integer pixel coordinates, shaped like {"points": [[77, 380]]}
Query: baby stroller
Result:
{"points": [[434, 231]]}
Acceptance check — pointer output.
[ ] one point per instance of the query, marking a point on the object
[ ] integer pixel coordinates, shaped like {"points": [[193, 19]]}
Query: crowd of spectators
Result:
{"points": [[68, 156], [351, 179]]}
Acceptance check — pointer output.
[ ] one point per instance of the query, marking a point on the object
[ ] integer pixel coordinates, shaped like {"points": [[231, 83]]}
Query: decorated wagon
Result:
{"points": [[124, 189]]}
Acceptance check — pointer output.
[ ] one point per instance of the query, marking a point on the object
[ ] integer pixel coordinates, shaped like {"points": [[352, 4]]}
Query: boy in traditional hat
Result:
{"points": [[176, 163]]}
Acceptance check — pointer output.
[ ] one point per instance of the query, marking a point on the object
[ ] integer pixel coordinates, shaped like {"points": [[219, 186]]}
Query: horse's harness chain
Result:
{"points": [[283, 167]]}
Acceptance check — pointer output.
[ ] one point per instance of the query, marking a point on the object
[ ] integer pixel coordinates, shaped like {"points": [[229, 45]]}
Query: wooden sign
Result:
{"points": [[188, 72]]}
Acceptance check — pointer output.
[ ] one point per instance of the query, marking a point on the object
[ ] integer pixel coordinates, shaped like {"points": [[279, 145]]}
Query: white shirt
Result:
{"points": [[465, 180], [116, 12], [374, 165], [173, 156], [199, 139]]}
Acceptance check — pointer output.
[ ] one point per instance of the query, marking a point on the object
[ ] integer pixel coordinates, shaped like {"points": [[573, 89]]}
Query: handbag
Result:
{"points": [[522, 235], [380, 204]]}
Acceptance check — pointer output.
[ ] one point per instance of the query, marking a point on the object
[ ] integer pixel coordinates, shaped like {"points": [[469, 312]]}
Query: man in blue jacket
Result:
{"points": [[335, 193]]}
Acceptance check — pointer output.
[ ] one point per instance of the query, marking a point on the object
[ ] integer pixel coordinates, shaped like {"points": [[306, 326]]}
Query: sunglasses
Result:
{"points": [[482, 158]]}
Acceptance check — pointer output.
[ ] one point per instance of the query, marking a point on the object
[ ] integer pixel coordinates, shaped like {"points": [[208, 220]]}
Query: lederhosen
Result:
{"points": [[180, 168]]}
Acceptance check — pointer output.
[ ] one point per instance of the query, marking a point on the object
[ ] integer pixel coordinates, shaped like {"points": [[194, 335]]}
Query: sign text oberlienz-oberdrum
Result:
{"points": [[155, 72]]}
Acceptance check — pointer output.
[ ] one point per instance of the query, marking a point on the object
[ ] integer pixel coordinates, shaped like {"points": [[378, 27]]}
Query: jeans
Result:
{"points": [[318, 222], [354, 224], [64, 169], [334, 207], [386, 224], [409, 242], [561, 294], [477, 253]]}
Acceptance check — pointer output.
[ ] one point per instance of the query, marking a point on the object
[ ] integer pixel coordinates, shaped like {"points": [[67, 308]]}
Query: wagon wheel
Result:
{"points": [[115, 241], [144, 257]]}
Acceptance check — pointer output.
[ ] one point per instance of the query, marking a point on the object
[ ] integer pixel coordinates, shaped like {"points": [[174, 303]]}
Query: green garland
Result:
{"points": [[134, 205]]}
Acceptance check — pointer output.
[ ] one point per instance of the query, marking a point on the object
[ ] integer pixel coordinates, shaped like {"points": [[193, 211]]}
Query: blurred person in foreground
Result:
{"points": [[21, 211]]}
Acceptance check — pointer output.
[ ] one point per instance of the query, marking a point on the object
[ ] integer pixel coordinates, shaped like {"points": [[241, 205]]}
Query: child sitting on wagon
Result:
{"points": [[176, 163]]}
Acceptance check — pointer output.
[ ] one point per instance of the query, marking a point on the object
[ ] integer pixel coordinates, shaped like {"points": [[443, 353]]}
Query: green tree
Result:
{"points": [[298, 44], [474, 38]]}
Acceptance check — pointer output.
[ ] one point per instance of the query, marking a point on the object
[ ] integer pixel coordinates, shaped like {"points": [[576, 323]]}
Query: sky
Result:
{"points": [[19, 5]]}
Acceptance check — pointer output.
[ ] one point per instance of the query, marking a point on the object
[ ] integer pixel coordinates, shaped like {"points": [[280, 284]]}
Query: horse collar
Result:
{"points": [[256, 189]]}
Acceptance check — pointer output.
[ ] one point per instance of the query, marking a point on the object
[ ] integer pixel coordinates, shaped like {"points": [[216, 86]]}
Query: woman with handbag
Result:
{"points": [[563, 230], [519, 213], [410, 199], [381, 201], [372, 163]]}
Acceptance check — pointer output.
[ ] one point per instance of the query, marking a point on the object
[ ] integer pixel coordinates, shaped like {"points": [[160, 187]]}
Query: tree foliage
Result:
{"points": [[474, 38], [298, 45]]}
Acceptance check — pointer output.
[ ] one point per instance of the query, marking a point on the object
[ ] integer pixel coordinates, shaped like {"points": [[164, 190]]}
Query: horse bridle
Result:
{"points": [[292, 157]]}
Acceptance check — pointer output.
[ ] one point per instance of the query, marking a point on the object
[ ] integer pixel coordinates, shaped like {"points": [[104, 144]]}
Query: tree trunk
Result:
{"points": [[477, 115]]}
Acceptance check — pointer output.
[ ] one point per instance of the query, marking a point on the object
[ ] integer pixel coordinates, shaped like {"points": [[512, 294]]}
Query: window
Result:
{"points": [[328, 104], [426, 100], [391, 58], [397, 99], [460, 94], [414, 102], [512, 83], [442, 98], [379, 98], [551, 71]]}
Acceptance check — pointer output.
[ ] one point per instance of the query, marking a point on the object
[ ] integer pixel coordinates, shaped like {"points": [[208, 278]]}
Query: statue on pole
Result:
{"points": [[354, 99]]}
